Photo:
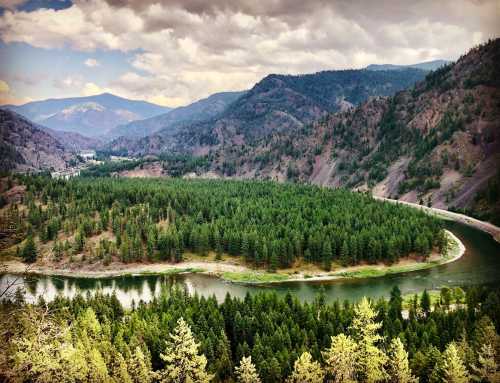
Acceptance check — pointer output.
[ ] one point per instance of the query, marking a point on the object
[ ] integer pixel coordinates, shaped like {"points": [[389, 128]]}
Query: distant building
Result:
{"points": [[120, 158], [87, 154], [65, 174]]}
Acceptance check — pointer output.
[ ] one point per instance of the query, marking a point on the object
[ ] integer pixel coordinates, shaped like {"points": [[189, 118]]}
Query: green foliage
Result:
{"points": [[29, 251], [94, 339], [183, 364], [268, 224]]}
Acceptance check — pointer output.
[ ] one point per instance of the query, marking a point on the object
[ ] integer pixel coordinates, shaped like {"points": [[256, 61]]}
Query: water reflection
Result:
{"points": [[480, 264]]}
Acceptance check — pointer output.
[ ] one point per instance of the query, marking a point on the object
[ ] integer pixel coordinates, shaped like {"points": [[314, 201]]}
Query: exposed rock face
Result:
{"points": [[26, 147]]}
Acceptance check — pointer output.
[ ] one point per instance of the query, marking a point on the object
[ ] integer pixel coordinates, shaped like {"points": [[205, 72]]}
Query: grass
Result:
{"points": [[435, 296], [190, 270], [253, 277]]}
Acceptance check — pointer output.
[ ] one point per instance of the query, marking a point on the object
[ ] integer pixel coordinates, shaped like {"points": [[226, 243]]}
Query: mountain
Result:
{"points": [[74, 142], [276, 103], [90, 116], [437, 142], [170, 122], [427, 66], [26, 147]]}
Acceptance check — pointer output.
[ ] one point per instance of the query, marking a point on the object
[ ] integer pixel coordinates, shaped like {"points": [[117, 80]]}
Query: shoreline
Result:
{"points": [[235, 273], [486, 227]]}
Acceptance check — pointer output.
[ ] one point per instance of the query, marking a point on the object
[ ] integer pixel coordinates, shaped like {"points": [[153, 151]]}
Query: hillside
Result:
{"points": [[91, 116], [277, 103], [74, 142], [428, 66], [25, 147], [170, 122], [437, 142]]}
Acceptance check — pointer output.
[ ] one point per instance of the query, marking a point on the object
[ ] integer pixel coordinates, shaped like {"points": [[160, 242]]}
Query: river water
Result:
{"points": [[480, 264]]}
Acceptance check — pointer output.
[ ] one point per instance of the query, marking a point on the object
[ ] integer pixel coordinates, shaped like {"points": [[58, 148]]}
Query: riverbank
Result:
{"points": [[487, 227], [236, 272]]}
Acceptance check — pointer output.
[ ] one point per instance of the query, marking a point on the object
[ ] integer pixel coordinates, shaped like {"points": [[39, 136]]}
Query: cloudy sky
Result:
{"points": [[173, 52]]}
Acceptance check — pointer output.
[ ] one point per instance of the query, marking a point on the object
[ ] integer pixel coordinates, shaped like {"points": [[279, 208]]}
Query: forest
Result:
{"points": [[270, 225], [261, 338]]}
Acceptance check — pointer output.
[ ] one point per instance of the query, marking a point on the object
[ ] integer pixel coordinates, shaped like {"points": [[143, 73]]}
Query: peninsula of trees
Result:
{"points": [[271, 225]]}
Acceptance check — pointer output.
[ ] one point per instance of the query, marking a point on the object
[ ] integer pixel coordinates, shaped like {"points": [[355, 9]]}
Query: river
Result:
{"points": [[480, 264]]}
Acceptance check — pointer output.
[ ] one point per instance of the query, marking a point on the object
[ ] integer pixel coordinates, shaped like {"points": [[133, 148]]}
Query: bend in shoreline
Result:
{"points": [[242, 274]]}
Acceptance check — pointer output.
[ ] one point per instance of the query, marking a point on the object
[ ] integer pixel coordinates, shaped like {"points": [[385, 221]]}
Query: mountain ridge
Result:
{"points": [[24, 146], [89, 115], [277, 102]]}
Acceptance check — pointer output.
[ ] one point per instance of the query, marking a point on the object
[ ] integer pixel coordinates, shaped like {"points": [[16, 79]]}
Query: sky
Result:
{"points": [[174, 52]]}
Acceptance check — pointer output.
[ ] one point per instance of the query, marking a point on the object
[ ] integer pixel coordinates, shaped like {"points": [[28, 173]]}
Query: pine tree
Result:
{"points": [[246, 372], [306, 370], [371, 359], [119, 369], [486, 368], [399, 369], [327, 255], [454, 370], [340, 359], [183, 364], [425, 303], [139, 367], [29, 252]]}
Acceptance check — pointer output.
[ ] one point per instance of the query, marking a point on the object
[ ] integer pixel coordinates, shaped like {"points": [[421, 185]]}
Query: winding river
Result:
{"points": [[480, 264]]}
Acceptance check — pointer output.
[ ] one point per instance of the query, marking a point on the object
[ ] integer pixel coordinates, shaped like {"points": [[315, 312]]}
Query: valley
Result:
{"points": [[249, 193]]}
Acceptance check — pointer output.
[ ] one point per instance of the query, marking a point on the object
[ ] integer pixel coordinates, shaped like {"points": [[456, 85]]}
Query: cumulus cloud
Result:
{"points": [[91, 63], [69, 82], [4, 87], [91, 89], [7, 97], [186, 49]]}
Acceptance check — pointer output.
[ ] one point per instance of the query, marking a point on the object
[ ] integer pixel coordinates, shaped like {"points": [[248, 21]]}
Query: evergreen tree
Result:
{"points": [[399, 369], [139, 367], [425, 303], [486, 369], [29, 252], [371, 359], [246, 372], [306, 370], [183, 364], [454, 370], [340, 359]]}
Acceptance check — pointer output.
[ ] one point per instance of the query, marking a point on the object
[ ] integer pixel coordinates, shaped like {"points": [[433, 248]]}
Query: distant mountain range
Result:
{"points": [[92, 116], [427, 66], [201, 110]]}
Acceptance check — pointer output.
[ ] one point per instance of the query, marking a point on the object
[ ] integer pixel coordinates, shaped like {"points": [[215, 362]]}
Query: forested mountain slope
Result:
{"points": [[25, 146], [74, 142], [170, 122], [437, 141], [277, 103], [428, 65]]}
